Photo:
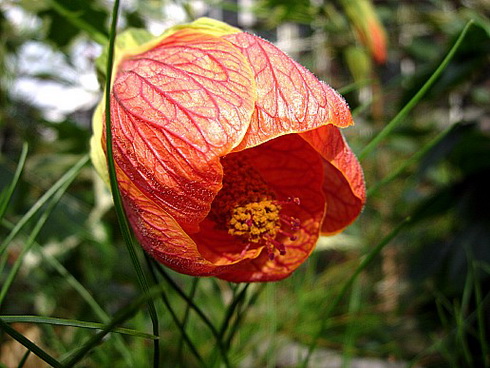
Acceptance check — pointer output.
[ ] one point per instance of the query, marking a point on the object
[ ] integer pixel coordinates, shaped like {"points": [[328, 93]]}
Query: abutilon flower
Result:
{"points": [[228, 154], [368, 27]]}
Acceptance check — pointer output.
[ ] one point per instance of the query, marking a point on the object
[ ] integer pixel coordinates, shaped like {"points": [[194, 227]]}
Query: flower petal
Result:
{"points": [[290, 98], [293, 170], [159, 234], [343, 183], [176, 109]]}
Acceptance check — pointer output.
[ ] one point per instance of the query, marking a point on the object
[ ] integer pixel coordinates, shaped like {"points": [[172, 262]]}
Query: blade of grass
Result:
{"points": [[221, 347], [66, 180], [29, 345], [351, 331], [89, 299], [116, 195], [241, 311], [121, 316], [480, 313], [185, 319], [83, 292], [239, 298], [74, 18], [460, 315], [24, 359], [272, 325], [388, 129], [75, 323], [444, 307], [38, 205], [407, 163], [348, 284], [9, 191], [176, 320]]}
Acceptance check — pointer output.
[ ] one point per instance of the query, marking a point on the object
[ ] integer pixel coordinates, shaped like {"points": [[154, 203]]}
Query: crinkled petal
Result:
{"points": [[176, 109], [294, 170], [160, 235], [290, 99], [343, 183]]}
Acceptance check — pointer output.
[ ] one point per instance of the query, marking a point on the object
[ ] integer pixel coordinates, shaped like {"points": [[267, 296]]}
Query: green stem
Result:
{"points": [[29, 345], [230, 311], [116, 195], [73, 18], [240, 315], [122, 316], [74, 323], [176, 320], [412, 160], [204, 318], [364, 263], [185, 319], [388, 129], [41, 202], [53, 198], [7, 195]]}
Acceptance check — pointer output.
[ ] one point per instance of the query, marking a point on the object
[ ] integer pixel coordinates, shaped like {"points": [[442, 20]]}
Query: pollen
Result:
{"points": [[255, 220], [246, 207]]}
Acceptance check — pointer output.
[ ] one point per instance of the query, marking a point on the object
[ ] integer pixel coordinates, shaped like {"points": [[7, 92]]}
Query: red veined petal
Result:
{"points": [[159, 234], [176, 108], [294, 170], [343, 183], [290, 98]]}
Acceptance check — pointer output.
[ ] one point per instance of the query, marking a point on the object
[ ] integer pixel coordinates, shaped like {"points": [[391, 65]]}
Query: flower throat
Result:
{"points": [[246, 207]]}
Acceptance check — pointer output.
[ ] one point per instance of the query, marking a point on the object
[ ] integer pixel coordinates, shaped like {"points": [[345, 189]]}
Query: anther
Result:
{"points": [[273, 244], [293, 222], [291, 237]]}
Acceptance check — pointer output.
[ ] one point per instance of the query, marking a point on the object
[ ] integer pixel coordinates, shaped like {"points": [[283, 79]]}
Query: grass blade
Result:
{"points": [[480, 315], [24, 359], [241, 311], [195, 282], [78, 22], [221, 347], [41, 202], [407, 163], [88, 298], [116, 195], [7, 194], [176, 320], [364, 263], [231, 310], [415, 99], [121, 316], [66, 180], [75, 323], [29, 345]]}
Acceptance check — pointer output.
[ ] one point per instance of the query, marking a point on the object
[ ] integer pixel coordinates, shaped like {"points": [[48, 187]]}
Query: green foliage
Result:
{"points": [[409, 281]]}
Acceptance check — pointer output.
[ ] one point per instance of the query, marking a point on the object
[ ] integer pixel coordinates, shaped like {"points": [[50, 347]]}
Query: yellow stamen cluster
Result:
{"points": [[246, 206], [255, 220]]}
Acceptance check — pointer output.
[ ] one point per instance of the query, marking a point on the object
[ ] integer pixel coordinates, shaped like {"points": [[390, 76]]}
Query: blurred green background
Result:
{"points": [[423, 301]]}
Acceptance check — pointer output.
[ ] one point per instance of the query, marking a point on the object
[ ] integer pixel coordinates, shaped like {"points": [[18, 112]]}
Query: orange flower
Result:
{"points": [[227, 153], [368, 27]]}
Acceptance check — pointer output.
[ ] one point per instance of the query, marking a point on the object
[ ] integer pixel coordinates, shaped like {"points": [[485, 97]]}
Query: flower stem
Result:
{"points": [[364, 263], [116, 195], [388, 129]]}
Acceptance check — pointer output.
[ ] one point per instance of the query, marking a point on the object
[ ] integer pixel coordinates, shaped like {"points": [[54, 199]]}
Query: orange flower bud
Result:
{"points": [[228, 154], [368, 27]]}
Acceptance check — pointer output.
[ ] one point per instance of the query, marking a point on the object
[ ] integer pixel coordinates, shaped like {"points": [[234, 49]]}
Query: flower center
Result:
{"points": [[246, 207]]}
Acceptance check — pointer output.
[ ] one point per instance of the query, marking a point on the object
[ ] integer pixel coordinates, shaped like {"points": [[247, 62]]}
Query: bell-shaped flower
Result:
{"points": [[228, 154], [368, 27]]}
